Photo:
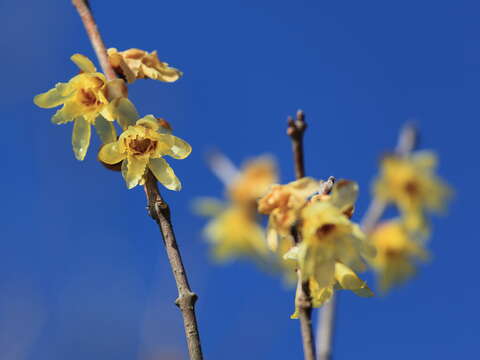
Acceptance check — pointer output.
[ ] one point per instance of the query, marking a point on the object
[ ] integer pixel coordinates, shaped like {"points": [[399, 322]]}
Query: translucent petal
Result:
{"points": [[61, 117], [109, 154], [135, 170], [344, 194], [80, 138], [53, 97], [109, 111], [126, 113], [179, 149], [83, 63], [149, 121], [350, 281], [105, 130], [125, 168], [164, 174]]}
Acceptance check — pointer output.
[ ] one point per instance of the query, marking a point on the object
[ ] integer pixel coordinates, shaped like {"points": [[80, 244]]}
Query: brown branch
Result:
{"points": [[296, 129], [303, 301], [407, 140], [90, 25], [158, 209]]}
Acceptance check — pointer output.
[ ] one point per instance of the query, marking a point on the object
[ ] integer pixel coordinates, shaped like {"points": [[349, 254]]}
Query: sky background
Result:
{"points": [[83, 273]]}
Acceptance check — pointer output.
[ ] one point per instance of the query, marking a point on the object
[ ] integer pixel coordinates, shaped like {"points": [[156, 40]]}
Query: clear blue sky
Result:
{"points": [[83, 274]]}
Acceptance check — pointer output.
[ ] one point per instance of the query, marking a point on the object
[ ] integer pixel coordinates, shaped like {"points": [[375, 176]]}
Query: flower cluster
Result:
{"points": [[327, 246], [410, 184], [89, 99], [234, 229]]}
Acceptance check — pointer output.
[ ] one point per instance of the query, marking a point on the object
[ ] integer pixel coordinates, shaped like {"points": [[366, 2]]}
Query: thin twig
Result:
{"points": [[407, 140], [303, 302], [90, 25], [296, 129], [160, 212], [326, 329], [158, 209]]}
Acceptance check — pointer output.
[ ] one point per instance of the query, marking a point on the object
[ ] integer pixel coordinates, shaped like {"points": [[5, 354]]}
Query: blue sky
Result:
{"points": [[83, 273]]}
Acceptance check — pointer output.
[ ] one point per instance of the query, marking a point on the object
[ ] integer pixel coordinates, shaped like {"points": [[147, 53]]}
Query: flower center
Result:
{"points": [[412, 188], [88, 98], [325, 229], [142, 146]]}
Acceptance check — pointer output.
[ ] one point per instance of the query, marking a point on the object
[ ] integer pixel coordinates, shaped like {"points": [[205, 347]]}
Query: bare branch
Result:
{"points": [[83, 8], [296, 129], [159, 210], [303, 302]]}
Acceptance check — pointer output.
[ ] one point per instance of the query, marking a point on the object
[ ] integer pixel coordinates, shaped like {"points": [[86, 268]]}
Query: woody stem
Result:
{"points": [[157, 207], [303, 302]]}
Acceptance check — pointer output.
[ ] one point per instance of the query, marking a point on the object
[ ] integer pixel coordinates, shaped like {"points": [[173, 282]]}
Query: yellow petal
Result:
{"points": [[83, 63], [135, 170], [126, 113], [164, 174], [80, 138], [54, 97], [344, 194], [350, 281], [109, 111], [179, 148], [149, 122], [105, 130], [110, 154]]}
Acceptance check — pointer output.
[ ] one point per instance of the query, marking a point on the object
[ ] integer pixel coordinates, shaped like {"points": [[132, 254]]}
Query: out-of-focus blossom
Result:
{"points": [[253, 181], [410, 183], [283, 204], [234, 232], [143, 146], [234, 229], [397, 253], [133, 64], [84, 100]]}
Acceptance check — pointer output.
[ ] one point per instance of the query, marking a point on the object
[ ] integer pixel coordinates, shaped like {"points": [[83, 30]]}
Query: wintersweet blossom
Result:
{"points": [[143, 146], [235, 232], [253, 181], [332, 247], [329, 236], [397, 253], [411, 183], [234, 229], [283, 204], [133, 64], [85, 101]]}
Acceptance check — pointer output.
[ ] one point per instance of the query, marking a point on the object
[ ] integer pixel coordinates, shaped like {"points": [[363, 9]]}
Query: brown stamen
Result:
{"points": [[325, 229]]}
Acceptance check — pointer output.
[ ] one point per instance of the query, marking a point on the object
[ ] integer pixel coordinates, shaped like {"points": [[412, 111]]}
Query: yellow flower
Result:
{"points": [[410, 182], [84, 100], [143, 146], [234, 231], [253, 181], [396, 253], [135, 64], [344, 279], [283, 204], [328, 236]]}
